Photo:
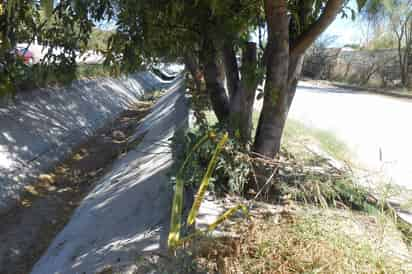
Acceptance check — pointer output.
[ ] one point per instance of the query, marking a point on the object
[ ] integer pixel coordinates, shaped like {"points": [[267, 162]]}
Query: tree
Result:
{"points": [[16, 23], [397, 15], [62, 25], [210, 34]]}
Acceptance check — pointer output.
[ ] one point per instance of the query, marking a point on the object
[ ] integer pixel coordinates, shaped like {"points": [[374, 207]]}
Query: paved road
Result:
{"points": [[376, 128]]}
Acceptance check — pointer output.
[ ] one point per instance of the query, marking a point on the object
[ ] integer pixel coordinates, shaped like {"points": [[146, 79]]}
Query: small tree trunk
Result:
{"points": [[401, 64], [401, 56], [241, 105], [295, 70], [215, 81], [231, 68], [193, 67], [404, 76], [405, 71]]}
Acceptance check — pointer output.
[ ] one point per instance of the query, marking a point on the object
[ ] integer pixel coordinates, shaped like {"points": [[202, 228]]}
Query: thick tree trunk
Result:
{"points": [[215, 81], [283, 59], [241, 104], [295, 69], [275, 104]]}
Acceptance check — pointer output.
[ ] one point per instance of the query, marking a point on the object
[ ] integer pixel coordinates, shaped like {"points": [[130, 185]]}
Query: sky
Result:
{"points": [[346, 30]]}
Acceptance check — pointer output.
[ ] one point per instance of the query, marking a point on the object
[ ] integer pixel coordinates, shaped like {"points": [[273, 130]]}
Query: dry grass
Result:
{"points": [[312, 242]]}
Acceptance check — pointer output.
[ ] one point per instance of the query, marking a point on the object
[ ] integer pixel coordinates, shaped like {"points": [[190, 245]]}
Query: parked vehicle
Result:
{"points": [[25, 54]]}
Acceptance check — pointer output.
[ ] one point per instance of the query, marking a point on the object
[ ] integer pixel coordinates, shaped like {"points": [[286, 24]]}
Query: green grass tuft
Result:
{"points": [[296, 131]]}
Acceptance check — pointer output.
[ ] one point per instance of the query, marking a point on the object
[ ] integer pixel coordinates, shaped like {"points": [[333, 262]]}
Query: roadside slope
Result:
{"points": [[127, 215]]}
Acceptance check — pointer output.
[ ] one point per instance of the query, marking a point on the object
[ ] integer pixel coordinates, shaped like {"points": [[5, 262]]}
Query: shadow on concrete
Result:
{"points": [[39, 128], [127, 215]]}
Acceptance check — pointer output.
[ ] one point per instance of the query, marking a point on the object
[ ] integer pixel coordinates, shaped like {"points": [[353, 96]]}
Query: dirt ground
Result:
{"points": [[47, 204]]}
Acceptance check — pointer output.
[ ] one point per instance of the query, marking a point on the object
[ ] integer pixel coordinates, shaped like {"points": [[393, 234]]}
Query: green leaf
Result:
{"points": [[215, 224], [177, 206], [226, 215], [205, 181], [47, 6], [213, 6], [10, 5], [176, 219]]}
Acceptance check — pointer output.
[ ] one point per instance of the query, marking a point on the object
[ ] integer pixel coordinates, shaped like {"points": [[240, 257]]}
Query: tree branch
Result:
{"points": [[304, 41]]}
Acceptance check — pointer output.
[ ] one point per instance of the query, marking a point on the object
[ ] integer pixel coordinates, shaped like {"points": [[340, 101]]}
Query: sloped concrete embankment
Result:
{"points": [[39, 128], [127, 215]]}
